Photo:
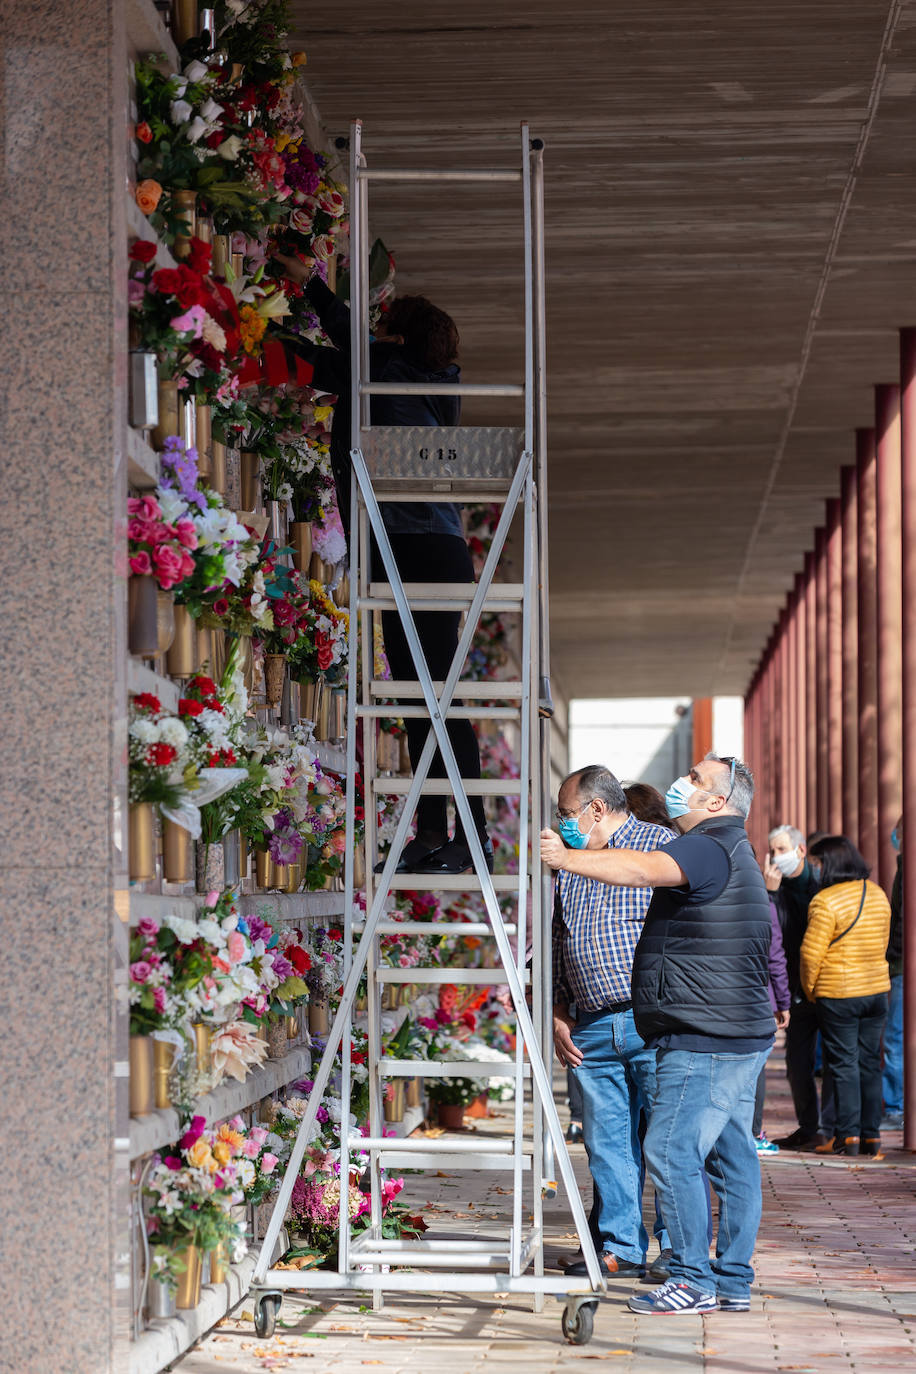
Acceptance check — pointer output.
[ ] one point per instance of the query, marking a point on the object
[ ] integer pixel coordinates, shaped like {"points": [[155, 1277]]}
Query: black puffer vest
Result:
{"points": [[701, 968]]}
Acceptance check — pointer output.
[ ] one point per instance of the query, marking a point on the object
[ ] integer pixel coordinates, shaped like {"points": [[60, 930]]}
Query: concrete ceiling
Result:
{"points": [[731, 243]]}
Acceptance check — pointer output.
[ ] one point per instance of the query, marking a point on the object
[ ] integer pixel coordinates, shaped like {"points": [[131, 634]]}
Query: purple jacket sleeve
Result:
{"points": [[779, 978]]}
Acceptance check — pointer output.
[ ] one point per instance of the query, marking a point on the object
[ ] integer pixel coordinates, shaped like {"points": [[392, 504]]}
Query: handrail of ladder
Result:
{"points": [[441, 389], [432, 174]]}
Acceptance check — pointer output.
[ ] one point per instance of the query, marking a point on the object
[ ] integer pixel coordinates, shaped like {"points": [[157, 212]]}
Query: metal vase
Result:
{"points": [[160, 1300], [143, 390], [163, 1059], [319, 1018], [171, 412], [233, 858], [181, 659], [184, 203], [188, 1294], [263, 866], [204, 439], [342, 593], [323, 723], [140, 1083], [177, 865], [393, 1104], [165, 620], [319, 571], [300, 537], [338, 715], [293, 877], [221, 254], [219, 1263], [218, 475], [413, 1092], [250, 481], [274, 673], [203, 1035], [142, 615], [309, 700], [141, 847]]}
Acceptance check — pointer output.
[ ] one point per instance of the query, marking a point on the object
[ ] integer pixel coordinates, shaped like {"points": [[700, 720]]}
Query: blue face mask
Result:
{"points": [[677, 797], [570, 832], [895, 839]]}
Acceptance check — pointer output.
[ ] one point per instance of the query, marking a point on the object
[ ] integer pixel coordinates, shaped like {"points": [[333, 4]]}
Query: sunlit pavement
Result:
{"points": [[835, 1291]]}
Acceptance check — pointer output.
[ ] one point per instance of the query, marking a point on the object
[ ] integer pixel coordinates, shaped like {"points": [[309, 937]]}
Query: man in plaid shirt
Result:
{"points": [[595, 930]]}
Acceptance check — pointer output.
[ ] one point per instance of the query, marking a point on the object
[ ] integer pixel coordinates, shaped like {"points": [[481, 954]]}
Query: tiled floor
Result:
{"points": [[836, 1290]]}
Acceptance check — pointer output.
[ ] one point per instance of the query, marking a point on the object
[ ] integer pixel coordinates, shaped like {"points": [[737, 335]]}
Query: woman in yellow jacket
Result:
{"points": [[844, 972]]}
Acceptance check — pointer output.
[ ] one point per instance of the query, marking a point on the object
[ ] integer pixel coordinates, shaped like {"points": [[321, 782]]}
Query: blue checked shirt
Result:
{"points": [[596, 927]]}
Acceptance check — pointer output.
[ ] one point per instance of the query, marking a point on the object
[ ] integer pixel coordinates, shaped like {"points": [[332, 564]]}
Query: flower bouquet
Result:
{"points": [[155, 546], [320, 653]]}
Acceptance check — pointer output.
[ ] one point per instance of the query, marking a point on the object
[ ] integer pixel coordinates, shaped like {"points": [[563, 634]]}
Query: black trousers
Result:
{"points": [[433, 558], [801, 1043], [851, 1029]]}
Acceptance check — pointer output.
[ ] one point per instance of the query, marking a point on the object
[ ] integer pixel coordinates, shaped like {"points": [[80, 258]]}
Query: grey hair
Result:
{"points": [[739, 803], [595, 782], [794, 835]]}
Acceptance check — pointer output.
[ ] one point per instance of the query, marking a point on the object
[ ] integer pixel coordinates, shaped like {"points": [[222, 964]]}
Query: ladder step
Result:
{"points": [[441, 389], [453, 713], [424, 1259], [450, 882], [444, 596], [480, 928], [489, 691], [438, 174], [448, 1068], [417, 459], [394, 1159], [464, 977], [498, 1145], [441, 787]]}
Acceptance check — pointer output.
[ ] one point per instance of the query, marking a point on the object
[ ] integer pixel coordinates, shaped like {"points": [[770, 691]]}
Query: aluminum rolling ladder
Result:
{"points": [[467, 464]]}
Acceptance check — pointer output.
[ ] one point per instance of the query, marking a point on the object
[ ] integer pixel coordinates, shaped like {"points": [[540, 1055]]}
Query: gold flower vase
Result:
{"points": [[163, 1059], [293, 878], [188, 1294], [204, 439], [390, 995], [292, 1027], [250, 497], [204, 656], [140, 1083], [177, 865], [319, 571], [171, 412], [219, 1263], [323, 723], [165, 620], [218, 479], [203, 1036], [413, 1092], [274, 673], [359, 867], [309, 699], [184, 203], [342, 593], [181, 659], [142, 615], [338, 715], [300, 538], [222, 251], [394, 1100], [319, 1018], [141, 847], [263, 868]]}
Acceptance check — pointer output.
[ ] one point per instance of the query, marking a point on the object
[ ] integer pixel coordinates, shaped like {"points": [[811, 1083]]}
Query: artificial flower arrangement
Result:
{"points": [[325, 976], [155, 1002], [320, 653], [279, 963], [190, 1194], [275, 806], [325, 832], [157, 547], [158, 759]]}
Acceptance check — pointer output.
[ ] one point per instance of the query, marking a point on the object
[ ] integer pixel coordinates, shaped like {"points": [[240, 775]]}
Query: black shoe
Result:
{"points": [[413, 852], [574, 1133], [453, 857], [612, 1267], [799, 1140], [659, 1268], [871, 1145]]}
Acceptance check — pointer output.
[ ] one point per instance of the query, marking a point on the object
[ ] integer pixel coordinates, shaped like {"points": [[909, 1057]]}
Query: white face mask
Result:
{"points": [[787, 863]]}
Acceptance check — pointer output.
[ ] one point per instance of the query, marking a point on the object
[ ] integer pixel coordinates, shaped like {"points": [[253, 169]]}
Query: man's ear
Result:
{"points": [[715, 803], [803, 850]]}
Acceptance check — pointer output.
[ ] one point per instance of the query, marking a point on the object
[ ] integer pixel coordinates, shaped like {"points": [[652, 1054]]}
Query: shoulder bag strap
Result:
{"points": [[836, 939]]}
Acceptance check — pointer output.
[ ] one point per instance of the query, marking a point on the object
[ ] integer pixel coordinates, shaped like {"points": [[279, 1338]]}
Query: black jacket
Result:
{"points": [[791, 900], [702, 968], [388, 362]]}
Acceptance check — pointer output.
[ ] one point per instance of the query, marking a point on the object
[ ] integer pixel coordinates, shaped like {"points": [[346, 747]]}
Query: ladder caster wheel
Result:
{"points": [[266, 1311], [578, 1322]]}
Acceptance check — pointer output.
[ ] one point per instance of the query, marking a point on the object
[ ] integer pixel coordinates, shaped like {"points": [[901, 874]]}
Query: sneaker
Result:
{"points": [[733, 1304], [612, 1265], [659, 1268], [673, 1299], [574, 1133], [892, 1120], [764, 1146]]}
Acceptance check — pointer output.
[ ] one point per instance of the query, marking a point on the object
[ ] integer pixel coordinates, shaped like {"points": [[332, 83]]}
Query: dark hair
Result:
{"points": [[840, 861], [646, 803], [597, 782], [430, 336]]}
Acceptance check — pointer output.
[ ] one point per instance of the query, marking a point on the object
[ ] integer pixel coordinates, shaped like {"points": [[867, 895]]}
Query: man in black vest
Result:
{"points": [[700, 997]]}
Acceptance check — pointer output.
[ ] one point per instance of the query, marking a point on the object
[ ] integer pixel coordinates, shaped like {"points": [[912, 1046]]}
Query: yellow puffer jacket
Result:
{"points": [[855, 966]]}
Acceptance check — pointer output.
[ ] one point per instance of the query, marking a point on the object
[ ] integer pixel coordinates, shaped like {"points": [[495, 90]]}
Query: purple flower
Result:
{"points": [[322, 1115], [179, 471], [286, 844], [172, 1163], [193, 1133], [283, 969], [259, 929]]}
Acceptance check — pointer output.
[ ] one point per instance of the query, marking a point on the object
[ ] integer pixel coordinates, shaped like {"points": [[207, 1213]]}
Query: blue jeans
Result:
{"points": [[617, 1078], [893, 1048], [701, 1116]]}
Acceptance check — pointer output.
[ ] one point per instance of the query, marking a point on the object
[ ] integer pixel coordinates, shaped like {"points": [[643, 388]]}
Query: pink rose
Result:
{"points": [[193, 1133], [258, 1134], [147, 507], [332, 203], [159, 999], [172, 1163], [235, 946], [187, 534], [301, 220], [140, 564], [147, 927], [168, 567], [268, 1162], [251, 1149], [140, 971]]}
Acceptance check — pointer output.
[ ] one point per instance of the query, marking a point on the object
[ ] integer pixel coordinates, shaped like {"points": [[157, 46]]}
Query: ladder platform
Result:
{"points": [[448, 1068], [473, 1281], [423, 457], [441, 787], [453, 713], [444, 596], [463, 977], [480, 928], [426, 1259], [498, 1145], [469, 174], [489, 691], [394, 1159], [450, 882]]}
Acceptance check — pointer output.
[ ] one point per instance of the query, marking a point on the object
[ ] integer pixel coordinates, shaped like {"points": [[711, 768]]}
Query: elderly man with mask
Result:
{"points": [[595, 930], [791, 883], [700, 999]]}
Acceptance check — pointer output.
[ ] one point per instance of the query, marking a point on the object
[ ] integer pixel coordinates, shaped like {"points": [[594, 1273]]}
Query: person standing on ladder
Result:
{"points": [[416, 342]]}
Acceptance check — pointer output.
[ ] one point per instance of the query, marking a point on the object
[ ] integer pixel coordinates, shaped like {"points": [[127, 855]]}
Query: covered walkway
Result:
{"points": [[835, 1291]]}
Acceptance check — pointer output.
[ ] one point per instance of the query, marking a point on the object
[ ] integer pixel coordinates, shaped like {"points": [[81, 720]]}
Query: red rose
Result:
{"points": [[144, 132], [187, 707], [325, 657], [200, 683], [189, 290], [161, 754], [147, 702], [142, 251], [215, 139], [299, 958], [166, 280], [214, 704], [199, 257], [335, 934], [220, 606]]}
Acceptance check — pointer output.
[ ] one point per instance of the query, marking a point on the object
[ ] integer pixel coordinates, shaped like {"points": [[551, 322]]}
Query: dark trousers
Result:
{"points": [[759, 1100], [801, 1045], [574, 1096], [433, 558], [851, 1029]]}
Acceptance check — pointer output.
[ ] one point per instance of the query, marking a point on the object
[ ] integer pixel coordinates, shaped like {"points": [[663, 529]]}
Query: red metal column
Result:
{"points": [[769, 755], [791, 740], [850, 669], [890, 622], [822, 612], [780, 760], [801, 612], [908, 529], [867, 608], [808, 822], [834, 667]]}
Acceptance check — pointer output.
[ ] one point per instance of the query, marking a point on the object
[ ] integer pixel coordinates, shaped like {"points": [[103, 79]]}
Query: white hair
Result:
{"points": [[794, 835]]}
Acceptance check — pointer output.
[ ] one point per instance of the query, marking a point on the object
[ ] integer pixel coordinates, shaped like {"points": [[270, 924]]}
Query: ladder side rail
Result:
{"points": [[476, 848]]}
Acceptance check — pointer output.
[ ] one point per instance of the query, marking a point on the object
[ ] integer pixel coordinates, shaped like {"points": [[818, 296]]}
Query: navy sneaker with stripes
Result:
{"points": [[733, 1304], [672, 1299]]}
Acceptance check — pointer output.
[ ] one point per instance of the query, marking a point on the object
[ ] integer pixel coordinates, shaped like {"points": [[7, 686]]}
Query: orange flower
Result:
{"points": [[471, 942], [231, 1137], [221, 1152], [201, 1156], [144, 132], [299, 59], [148, 194], [252, 328]]}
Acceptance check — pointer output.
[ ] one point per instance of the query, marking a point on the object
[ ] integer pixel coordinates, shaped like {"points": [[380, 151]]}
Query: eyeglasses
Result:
{"points": [[571, 815], [731, 778]]}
